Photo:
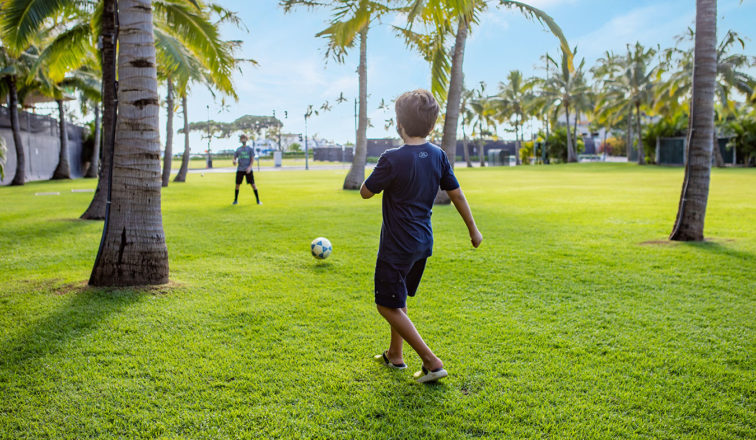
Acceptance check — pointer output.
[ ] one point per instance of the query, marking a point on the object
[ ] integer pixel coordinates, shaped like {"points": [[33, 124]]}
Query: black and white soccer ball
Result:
{"points": [[321, 248]]}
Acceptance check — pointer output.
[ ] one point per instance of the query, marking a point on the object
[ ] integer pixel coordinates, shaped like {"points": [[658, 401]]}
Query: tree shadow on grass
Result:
{"points": [[718, 248], [84, 311]]}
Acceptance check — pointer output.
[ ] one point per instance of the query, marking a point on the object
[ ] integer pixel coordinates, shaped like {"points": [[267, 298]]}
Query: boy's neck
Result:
{"points": [[415, 141]]}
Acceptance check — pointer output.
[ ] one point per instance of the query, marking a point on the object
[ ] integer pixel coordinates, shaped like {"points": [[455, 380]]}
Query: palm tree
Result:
{"points": [[513, 100], [732, 77], [484, 118], [567, 89], [133, 250], [629, 86], [691, 213], [351, 19], [457, 17], [466, 111]]}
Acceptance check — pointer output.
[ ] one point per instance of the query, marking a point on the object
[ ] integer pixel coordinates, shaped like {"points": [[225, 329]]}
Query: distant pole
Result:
{"points": [[307, 152]]}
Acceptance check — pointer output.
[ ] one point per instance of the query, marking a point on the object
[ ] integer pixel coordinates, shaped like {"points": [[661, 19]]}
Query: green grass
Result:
{"points": [[566, 323]]}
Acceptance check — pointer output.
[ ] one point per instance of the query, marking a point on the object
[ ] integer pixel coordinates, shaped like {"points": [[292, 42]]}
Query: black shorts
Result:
{"points": [[241, 174], [393, 282]]}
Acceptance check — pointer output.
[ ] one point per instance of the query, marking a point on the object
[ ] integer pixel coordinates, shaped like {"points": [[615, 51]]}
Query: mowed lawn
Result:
{"points": [[574, 319]]}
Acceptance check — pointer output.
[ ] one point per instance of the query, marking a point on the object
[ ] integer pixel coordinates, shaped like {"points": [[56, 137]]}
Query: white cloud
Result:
{"points": [[650, 25]]}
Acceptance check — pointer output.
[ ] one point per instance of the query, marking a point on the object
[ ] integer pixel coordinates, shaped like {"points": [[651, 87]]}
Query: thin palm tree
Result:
{"points": [[456, 17], [689, 224], [351, 20], [732, 77], [513, 101], [133, 249], [567, 90], [629, 86]]}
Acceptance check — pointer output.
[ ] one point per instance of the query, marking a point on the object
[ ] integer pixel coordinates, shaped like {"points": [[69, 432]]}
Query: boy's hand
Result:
{"points": [[476, 238]]}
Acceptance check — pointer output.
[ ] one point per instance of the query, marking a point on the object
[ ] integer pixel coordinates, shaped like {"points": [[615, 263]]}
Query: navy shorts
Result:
{"points": [[241, 174], [393, 282]]}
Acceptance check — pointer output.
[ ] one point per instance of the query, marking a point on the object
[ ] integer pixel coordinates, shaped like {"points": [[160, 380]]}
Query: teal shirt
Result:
{"points": [[244, 155]]}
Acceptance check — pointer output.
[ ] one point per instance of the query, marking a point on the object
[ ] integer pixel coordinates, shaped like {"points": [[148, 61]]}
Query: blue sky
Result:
{"points": [[293, 72]]}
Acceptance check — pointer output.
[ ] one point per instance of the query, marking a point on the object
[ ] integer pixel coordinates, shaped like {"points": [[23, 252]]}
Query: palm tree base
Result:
{"points": [[442, 198]]}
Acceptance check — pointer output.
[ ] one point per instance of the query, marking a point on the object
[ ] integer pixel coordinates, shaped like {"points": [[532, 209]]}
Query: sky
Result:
{"points": [[294, 73]]}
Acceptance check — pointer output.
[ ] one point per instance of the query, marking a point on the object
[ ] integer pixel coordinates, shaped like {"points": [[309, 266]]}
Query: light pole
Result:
{"points": [[209, 158], [307, 153]]}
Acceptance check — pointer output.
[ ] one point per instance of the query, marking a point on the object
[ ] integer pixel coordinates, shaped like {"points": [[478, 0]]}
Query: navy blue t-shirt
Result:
{"points": [[410, 176]]}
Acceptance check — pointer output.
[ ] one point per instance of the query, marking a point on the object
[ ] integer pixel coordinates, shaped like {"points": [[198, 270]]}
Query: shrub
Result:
{"points": [[526, 152], [613, 146]]}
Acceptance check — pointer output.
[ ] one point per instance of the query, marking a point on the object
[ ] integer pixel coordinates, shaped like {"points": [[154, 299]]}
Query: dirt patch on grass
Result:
{"points": [[658, 243], [83, 287]]}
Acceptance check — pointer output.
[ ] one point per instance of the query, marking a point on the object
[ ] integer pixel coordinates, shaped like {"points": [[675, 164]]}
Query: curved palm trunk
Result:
{"points": [[356, 173], [97, 207], [453, 100], [133, 250], [20, 176], [571, 156], [181, 175], [168, 154], [94, 161], [639, 133], [63, 170], [691, 213]]}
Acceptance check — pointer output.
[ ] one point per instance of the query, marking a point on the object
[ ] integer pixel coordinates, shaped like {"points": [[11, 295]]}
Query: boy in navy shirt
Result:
{"points": [[410, 177]]}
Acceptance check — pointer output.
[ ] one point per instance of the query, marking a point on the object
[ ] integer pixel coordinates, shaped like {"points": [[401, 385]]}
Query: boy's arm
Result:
{"points": [[364, 192], [460, 202]]}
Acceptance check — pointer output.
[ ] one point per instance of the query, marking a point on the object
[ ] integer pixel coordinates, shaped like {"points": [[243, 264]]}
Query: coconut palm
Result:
{"points": [[456, 17], [513, 101], [732, 77], [466, 112], [689, 224], [631, 87], [484, 114], [351, 19], [15, 67], [133, 250], [567, 90]]}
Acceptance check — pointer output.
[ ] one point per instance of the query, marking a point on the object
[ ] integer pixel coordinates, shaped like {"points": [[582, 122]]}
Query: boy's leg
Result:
{"points": [[401, 323], [396, 348], [251, 181]]}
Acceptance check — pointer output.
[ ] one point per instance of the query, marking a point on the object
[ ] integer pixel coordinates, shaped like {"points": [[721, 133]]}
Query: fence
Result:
{"points": [[39, 135]]}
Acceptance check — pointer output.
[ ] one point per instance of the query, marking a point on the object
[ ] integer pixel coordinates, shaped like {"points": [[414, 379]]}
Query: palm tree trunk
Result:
{"points": [[718, 159], [574, 132], [641, 150], [356, 173], [691, 213], [94, 161], [518, 143], [181, 176], [63, 170], [481, 146], [108, 31], [629, 135], [571, 156], [20, 176], [465, 146], [453, 100], [133, 250], [168, 154]]}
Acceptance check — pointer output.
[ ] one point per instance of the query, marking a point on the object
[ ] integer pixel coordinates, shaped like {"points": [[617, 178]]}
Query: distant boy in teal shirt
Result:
{"points": [[410, 177]]}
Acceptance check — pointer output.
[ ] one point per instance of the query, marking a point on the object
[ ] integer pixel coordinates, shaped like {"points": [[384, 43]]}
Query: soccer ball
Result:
{"points": [[321, 248]]}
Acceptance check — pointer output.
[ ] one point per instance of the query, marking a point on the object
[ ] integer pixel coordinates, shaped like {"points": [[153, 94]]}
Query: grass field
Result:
{"points": [[574, 319]]}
